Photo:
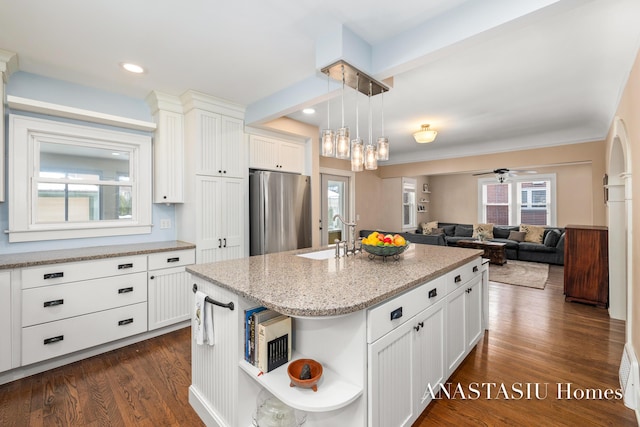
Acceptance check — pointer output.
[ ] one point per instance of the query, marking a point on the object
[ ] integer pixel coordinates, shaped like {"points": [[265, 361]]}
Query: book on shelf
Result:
{"points": [[274, 343], [247, 328], [257, 318]]}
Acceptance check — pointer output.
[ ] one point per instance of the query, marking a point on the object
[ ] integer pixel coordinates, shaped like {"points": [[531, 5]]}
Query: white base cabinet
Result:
{"points": [[5, 320], [385, 363]]}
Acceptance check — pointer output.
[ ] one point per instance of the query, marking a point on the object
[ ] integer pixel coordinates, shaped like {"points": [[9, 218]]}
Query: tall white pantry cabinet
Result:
{"points": [[214, 212]]}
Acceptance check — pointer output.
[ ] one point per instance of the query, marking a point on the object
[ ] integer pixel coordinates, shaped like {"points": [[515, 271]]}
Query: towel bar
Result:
{"points": [[229, 305]]}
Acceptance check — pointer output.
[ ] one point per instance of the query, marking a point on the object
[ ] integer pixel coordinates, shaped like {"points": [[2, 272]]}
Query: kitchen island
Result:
{"points": [[385, 332]]}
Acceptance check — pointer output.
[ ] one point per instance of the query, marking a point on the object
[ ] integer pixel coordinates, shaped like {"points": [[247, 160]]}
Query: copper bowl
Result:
{"points": [[295, 368]]}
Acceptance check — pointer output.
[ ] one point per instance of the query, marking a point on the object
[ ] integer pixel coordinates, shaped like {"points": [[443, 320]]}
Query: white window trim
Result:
{"points": [[410, 183], [515, 196], [23, 134]]}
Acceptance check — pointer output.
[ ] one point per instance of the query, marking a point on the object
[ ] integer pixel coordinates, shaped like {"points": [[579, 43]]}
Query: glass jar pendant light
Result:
{"points": [[383, 141], [343, 150], [357, 146], [327, 137], [370, 154]]}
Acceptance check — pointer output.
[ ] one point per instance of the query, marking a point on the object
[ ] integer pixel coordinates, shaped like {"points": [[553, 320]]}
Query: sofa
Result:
{"points": [[550, 251]]}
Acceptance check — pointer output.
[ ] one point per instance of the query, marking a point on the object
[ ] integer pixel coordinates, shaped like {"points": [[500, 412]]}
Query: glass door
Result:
{"points": [[335, 201]]}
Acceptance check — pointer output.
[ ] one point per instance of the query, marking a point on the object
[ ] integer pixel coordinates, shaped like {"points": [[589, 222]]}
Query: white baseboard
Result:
{"points": [[202, 408], [36, 368], [629, 376]]}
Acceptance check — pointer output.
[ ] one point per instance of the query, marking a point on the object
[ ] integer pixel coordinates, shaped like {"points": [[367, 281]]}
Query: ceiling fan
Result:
{"points": [[503, 173]]}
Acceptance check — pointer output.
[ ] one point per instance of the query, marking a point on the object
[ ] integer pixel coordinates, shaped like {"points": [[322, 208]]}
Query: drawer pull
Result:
{"points": [[53, 303], [475, 268], [125, 322], [433, 293], [174, 259], [54, 275], [54, 339], [458, 279], [420, 325], [125, 290], [125, 266], [396, 314]]}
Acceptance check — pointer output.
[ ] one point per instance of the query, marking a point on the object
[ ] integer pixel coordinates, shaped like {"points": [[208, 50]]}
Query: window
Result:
{"points": [[409, 208], [521, 200], [70, 181]]}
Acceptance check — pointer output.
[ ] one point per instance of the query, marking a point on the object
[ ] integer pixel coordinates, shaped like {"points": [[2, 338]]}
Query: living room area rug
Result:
{"points": [[520, 273]]}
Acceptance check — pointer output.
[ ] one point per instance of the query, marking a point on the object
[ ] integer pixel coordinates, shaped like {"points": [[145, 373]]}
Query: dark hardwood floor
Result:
{"points": [[534, 337]]}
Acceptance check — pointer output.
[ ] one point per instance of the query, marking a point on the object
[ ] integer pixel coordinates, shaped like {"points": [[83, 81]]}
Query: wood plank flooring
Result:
{"points": [[534, 337]]}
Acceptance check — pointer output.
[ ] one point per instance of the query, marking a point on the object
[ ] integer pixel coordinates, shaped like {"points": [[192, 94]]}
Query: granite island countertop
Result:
{"points": [[30, 259], [304, 287]]}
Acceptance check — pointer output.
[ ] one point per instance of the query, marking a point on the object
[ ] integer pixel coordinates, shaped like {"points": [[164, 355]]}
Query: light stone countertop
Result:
{"points": [[304, 287], [30, 259]]}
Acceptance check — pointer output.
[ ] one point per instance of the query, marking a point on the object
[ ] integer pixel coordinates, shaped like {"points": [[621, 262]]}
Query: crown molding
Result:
{"points": [[8, 64]]}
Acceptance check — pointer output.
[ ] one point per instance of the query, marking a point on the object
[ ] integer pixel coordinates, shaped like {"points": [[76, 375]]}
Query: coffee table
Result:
{"points": [[494, 251]]}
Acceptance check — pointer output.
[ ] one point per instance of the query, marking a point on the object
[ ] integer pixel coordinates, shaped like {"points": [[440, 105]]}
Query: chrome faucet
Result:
{"points": [[351, 238]]}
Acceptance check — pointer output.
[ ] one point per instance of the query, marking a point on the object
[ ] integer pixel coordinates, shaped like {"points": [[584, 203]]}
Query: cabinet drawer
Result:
{"points": [[462, 275], [55, 302], [172, 259], [54, 274], [391, 314], [54, 339]]}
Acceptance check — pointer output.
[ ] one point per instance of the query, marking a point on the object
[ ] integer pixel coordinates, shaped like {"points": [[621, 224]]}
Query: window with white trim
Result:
{"points": [[519, 200], [409, 207], [71, 181]]}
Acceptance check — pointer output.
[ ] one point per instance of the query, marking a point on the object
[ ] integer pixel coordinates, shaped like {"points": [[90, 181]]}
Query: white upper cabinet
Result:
{"points": [[168, 148], [8, 64], [274, 154]]}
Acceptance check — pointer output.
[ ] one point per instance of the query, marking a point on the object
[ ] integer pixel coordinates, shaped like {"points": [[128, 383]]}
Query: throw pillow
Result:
{"points": [[463, 231], [436, 231], [449, 230], [552, 238], [501, 232], [517, 236], [428, 226], [533, 233], [486, 229]]}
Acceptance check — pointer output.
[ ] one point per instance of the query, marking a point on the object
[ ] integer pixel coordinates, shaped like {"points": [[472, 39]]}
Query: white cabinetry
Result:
{"points": [[464, 317], [8, 64], [168, 148], [5, 320], [274, 154], [170, 294], [73, 306], [214, 215]]}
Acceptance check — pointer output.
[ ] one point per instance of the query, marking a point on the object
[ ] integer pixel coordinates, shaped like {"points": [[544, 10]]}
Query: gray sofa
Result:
{"points": [[551, 251]]}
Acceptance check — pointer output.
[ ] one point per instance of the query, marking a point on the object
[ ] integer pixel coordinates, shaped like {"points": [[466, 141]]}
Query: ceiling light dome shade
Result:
{"points": [[425, 134]]}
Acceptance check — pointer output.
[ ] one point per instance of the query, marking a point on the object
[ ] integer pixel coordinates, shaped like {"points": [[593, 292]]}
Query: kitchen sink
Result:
{"points": [[320, 255]]}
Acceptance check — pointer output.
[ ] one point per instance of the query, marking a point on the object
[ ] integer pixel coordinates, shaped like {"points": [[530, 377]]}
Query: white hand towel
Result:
{"points": [[198, 316], [208, 323]]}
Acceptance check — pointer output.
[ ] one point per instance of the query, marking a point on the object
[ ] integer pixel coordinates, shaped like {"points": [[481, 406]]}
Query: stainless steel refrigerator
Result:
{"points": [[279, 212]]}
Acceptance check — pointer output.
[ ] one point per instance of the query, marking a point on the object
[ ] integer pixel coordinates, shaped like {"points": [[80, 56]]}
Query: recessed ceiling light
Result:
{"points": [[132, 68], [309, 111]]}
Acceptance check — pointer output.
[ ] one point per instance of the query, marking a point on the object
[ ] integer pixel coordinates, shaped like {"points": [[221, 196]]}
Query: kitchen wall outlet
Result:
{"points": [[165, 223]]}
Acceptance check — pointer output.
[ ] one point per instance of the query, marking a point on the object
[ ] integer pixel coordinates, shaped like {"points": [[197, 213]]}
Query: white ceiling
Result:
{"points": [[489, 75]]}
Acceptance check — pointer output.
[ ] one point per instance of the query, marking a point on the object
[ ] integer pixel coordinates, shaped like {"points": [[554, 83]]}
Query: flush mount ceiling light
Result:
{"points": [[425, 135], [132, 68], [309, 111]]}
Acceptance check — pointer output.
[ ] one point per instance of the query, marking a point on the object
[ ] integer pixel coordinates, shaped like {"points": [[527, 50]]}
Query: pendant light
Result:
{"points": [[342, 137], [327, 137], [357, 146], [370, 154], [383, 141]]}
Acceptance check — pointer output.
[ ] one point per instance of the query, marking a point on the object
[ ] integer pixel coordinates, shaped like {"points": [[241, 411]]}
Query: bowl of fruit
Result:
{"points": [[384, 245]]}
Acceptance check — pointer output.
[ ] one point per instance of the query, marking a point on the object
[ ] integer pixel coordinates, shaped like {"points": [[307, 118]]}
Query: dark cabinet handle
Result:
{"points": [[396, 314], [125, 290], [220, 171], [125, 322], [152, 277], [53, 340], [175, 259], [458, 279], [219, 243], [53, 275], [420, 325], [475, 268], [125, 266], [225, 242], [468, 290], [164, 197], [53, 303], [433, 293]]}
